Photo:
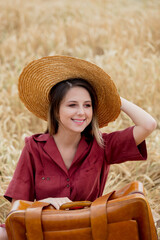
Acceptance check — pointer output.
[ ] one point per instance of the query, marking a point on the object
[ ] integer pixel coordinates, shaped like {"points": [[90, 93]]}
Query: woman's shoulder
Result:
{"points": [[124, 133], [39, 137], [33, 140]]}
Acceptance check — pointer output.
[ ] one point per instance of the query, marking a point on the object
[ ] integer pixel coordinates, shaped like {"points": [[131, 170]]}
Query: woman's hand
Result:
{"points": [[144, 122], [56, 202]]}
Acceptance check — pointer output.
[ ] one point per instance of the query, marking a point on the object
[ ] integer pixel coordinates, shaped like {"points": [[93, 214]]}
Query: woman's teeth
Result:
{"points": [[80, 121]]}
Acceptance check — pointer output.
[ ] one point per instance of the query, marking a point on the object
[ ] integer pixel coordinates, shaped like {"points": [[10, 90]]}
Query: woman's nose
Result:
{"points": [[80, 110]]}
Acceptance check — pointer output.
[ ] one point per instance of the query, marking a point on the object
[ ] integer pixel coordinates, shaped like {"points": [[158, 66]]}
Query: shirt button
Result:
{"points": [[67, 179], [67, 185], [48, 178], [43, 178]]}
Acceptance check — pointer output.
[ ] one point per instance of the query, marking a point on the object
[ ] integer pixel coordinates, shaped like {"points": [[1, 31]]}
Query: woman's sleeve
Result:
{"points": [[22, 183], [120, 146]]}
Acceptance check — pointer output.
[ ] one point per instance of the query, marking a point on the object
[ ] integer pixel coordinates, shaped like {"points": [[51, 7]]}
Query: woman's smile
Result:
{"points": [[78, 121]]}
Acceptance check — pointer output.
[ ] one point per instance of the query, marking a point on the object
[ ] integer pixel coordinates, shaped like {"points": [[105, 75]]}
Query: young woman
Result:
{"points": [[70, 162]]}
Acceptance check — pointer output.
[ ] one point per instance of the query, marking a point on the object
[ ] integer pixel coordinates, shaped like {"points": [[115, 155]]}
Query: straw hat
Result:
{"points": [[39, 76]]}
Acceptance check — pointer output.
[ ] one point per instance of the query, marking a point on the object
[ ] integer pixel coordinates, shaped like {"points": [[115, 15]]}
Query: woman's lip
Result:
{"points": [[78, 119], [78, 122]]}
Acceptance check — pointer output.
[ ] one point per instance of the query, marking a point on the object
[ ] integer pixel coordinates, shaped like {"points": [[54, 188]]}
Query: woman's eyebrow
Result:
{"points": [[77, 101]]}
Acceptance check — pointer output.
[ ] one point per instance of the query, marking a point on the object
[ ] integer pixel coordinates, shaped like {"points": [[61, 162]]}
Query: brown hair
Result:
{"points": [[56, 95]]}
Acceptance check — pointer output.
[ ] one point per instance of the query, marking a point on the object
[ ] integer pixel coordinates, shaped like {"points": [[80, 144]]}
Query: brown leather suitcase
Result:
{"points": [[121, 215]]}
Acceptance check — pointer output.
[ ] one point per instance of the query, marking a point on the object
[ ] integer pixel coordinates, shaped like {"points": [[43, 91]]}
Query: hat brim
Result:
{"points": [[39, 76]]}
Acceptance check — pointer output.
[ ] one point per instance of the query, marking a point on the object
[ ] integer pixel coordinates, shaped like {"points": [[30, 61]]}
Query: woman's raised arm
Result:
{"points": [[144, 122]]}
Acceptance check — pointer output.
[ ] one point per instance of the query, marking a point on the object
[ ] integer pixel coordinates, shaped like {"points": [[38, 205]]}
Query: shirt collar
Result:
{"points": [[51, 149], [41, 137]]}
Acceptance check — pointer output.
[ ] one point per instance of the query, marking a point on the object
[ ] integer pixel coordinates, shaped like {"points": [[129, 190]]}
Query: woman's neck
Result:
{"points": [[67, 140]]}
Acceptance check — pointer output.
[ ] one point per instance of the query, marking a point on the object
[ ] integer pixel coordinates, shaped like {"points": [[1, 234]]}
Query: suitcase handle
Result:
{"points": [[75, 205]]}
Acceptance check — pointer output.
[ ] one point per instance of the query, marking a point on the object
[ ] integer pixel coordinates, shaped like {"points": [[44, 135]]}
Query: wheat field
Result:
{"points": [[121, 36]]}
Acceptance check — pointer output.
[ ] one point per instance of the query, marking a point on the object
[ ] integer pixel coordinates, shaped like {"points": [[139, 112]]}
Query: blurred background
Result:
{"points": [[121, 36]]}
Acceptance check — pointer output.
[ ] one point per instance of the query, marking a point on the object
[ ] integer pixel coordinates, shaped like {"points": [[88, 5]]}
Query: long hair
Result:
{"points": [[56, 95]]}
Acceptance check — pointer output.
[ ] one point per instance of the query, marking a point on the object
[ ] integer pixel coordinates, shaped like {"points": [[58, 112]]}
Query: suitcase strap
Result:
{"points": [[33, 220], [98, 216]]}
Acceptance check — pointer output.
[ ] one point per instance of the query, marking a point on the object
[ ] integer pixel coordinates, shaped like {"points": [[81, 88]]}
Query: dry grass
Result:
{"points": [[121, 36]]}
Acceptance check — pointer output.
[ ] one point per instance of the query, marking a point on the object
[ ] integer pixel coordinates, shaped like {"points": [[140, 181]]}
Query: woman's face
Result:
{"points": [[75, 112]]}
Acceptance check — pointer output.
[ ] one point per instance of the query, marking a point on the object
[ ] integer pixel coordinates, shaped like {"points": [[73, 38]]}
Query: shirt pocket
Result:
{"points": [[47, 186]]}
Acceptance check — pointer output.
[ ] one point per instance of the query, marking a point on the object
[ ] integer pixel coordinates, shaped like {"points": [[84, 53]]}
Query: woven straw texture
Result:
{"points": [[39, 76]]}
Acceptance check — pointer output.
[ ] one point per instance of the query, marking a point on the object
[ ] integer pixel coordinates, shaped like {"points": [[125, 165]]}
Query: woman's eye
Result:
{"points": [[87, 105], [72, 105]]}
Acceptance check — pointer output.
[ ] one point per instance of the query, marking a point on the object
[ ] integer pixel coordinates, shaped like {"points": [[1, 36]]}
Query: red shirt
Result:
{"points": [[41, 172]]}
